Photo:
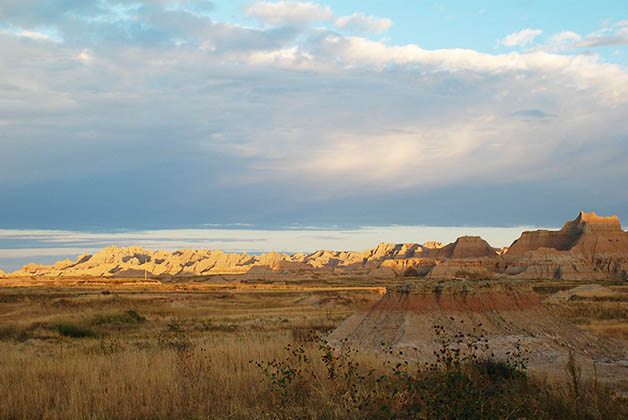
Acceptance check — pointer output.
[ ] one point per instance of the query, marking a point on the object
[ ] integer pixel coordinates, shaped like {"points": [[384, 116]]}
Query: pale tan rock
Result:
{"points": [[587, 248], [433, 245]]}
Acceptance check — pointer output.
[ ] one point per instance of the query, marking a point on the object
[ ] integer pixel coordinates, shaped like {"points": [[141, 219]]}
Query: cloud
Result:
{"points": [[290, 13], [187, 120], [85, 56], [33, 35], [532, 114], [606, 38], [564, 37], [521, 38], [362, 24], [614, 35]]}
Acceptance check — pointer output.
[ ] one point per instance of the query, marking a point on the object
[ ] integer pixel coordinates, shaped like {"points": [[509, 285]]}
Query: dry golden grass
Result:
{"points": [[604, 315], [168, 377], [183, 355], [153, 354]]}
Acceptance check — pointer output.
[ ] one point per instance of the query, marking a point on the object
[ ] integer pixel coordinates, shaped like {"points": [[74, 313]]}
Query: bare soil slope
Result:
{"points": [[500, 315]]}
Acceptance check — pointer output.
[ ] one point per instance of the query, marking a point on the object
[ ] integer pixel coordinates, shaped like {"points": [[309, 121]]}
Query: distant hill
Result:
{"points": [[589, 247]]}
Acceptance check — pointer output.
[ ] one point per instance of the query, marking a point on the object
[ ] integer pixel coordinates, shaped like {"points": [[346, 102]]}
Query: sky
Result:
{"points": [[178, 114]]}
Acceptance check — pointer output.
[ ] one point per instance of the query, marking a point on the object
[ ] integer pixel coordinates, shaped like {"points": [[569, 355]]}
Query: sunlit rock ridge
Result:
{"points": [[589, 247]]}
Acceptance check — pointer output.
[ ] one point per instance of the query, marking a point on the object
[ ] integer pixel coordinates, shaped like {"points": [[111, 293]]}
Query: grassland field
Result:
{"points": [[205, 350]]}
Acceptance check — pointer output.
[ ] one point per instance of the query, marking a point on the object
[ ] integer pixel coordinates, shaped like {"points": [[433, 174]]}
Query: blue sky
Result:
{"points": [[156, 114]]}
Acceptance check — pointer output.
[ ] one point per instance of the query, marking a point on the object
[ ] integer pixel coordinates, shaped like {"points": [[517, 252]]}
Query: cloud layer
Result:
{"points": [[116, 113]]}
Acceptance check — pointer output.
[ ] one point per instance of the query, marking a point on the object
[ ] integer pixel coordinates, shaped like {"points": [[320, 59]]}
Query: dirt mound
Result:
{"points": [[416, 318], [586, 291]]}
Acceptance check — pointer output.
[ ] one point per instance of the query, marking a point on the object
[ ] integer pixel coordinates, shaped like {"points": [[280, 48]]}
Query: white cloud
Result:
{"points": [[291, 13], [85, 56], [289, 58], [606, 37], [360, 23], [565, 37], [614, 35], [33, 35], [357, 51], [521, 38]]}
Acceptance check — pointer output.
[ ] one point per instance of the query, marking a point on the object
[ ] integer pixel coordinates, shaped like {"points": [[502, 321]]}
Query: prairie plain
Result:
{"points": [[204, 350]]}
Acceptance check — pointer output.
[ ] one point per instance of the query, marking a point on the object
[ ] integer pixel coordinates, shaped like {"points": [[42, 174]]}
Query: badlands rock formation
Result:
{"points": [[498, 317], [587, 248]]}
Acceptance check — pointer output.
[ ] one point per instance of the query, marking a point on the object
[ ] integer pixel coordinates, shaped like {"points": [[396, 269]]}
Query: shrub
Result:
{"points": [[127, 317], [74, 331], [453, 387]]}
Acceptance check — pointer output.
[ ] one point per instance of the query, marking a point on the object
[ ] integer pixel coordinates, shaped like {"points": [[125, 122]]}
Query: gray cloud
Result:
{"points": [[159, 115], [533, 114]]}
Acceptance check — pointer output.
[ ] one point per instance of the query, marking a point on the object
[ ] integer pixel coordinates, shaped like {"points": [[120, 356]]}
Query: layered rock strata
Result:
{"points": [[416, 321]]}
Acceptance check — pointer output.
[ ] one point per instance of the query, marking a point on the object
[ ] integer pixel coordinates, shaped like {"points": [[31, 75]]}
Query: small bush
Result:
{"points": [[74, 331], [8, 331], [126, 317]]}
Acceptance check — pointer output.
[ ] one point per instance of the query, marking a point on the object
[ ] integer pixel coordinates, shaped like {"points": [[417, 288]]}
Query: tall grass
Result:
{"points": [[261, 376]]}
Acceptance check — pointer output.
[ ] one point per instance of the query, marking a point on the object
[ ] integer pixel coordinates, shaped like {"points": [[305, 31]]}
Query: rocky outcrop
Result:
{"points": [[497, 317], [465, 247], [587, 248], [589, 235], [136, 261]]}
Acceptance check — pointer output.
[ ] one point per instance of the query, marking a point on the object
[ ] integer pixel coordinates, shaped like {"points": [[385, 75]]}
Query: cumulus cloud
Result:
{"points": [[360, 23], [291, 13], [565, 36], [521, 38]]}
